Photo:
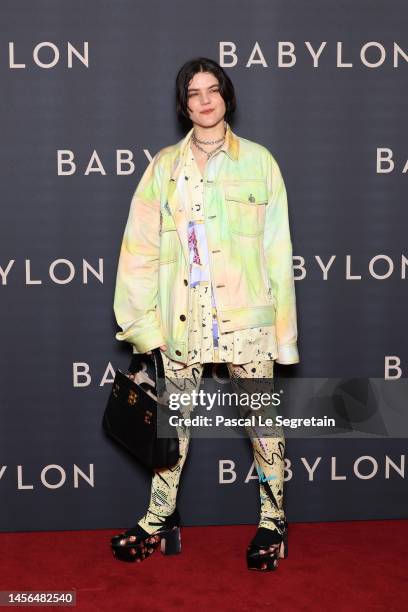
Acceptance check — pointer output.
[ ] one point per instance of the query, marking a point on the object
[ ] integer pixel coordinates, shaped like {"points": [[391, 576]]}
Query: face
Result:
{"points": [[206, 106]]}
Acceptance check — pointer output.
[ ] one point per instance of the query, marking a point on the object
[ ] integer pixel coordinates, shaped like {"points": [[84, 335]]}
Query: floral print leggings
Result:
{"points": [[268, 451]]}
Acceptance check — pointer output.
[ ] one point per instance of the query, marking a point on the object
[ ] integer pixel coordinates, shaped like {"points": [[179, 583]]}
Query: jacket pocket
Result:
{"points": [[245, 202], [168, 237], [168, 246]]}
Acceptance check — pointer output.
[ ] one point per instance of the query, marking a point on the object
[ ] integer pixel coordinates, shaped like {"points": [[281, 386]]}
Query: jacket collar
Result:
{"points": [[230, 148]]}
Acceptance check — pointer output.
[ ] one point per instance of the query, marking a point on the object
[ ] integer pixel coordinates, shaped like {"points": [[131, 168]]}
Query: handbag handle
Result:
{"points": [[160, 376], [136, 366]]}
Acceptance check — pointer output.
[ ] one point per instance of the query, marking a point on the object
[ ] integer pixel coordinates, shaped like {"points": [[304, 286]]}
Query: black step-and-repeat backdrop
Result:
{"points": [[86, 100]]}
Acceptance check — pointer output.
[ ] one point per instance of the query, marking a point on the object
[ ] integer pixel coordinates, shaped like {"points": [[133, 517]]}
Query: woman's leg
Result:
{"points": [[165, 482], [269, 450]]}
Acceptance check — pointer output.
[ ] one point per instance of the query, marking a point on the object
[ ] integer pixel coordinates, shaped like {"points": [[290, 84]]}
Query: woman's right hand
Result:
{"points": [[163, 347]]}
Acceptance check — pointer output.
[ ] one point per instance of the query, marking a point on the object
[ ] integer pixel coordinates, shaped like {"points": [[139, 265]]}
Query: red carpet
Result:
{"points": [[343, 566]]}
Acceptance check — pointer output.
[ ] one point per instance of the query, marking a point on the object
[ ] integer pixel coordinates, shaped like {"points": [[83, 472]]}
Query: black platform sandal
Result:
{"points": [[268, 546], [172, 520], [136, 544]]}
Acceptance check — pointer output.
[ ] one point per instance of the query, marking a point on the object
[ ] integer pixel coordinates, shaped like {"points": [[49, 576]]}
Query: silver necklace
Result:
{"points": [[208, 153], [208, 141]]}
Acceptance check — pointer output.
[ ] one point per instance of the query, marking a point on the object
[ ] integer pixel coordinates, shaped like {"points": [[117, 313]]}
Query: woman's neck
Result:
{"points": [[215, 132]]}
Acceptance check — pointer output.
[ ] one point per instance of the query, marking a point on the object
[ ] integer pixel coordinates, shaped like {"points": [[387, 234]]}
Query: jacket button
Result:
{"points": [[178, 352], [182, 317], [185, 282]]}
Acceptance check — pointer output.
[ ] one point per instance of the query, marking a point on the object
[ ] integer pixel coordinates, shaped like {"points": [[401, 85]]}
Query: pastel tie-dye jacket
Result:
{"points": [[250, 250]]}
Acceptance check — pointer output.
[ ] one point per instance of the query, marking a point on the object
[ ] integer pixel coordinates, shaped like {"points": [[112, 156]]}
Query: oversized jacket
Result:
{"points": [[250, 250]]}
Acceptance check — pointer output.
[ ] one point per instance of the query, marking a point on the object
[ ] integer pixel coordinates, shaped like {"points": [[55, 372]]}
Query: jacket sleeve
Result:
{"points": [[136, 287], [278, 252]]}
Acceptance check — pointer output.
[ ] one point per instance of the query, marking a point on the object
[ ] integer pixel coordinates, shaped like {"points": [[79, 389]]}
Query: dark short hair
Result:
{"points": [[186, 73]]}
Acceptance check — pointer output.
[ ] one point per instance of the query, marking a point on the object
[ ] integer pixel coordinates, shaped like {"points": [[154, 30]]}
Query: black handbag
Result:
{"points": [[131, 414]]}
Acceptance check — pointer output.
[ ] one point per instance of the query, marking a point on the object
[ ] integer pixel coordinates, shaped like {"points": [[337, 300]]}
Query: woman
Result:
{"points": [[205, 273]]}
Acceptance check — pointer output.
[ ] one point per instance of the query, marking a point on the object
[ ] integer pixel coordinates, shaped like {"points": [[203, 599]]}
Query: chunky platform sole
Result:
{"points": [[168, 541], [267, 562]]}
